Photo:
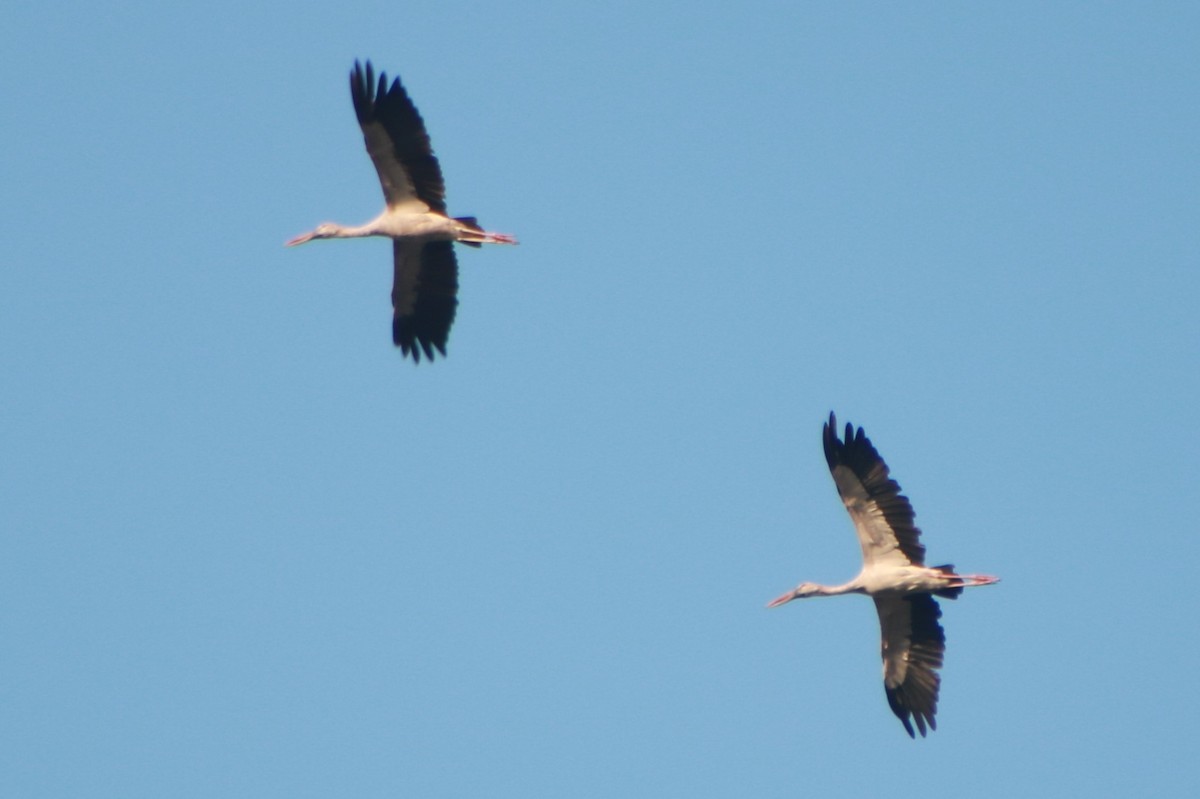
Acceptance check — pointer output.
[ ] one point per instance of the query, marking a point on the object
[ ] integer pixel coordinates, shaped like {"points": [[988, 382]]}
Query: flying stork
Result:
{"points": [[894, 574], [425, 281]]}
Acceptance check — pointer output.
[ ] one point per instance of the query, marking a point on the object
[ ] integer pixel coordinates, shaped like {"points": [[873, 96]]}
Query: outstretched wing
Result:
{"points": [[913, 647], [397, 142], [882, 516], [424, 296]]}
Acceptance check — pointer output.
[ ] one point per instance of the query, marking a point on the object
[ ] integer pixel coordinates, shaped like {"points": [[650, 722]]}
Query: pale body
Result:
{"points": [[886, 580], [894, 574], [409, 223]]}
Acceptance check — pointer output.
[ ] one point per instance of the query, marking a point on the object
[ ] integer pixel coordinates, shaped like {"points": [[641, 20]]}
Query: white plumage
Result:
{"points": [[894, 574]]}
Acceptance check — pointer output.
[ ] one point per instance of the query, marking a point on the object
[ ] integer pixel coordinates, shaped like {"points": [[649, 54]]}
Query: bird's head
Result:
{"points": [[324, 230], [799, 592]]}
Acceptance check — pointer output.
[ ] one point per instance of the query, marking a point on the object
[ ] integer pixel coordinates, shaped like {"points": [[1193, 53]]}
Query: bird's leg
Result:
{"points": [[468, 232], [486, 237], [976, 579]]}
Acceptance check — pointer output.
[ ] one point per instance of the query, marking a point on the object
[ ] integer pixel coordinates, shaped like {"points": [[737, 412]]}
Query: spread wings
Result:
{"points": [[913, 647], [397, 142], [882, 516], [424, 296]]}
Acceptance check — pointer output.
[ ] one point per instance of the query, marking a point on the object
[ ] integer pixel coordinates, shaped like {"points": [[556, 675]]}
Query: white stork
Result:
{"points": [[894, 574], [425, 283]]}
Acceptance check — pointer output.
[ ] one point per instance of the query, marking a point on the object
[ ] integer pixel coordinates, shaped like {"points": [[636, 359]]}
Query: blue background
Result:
{"points": [[248, 551]]}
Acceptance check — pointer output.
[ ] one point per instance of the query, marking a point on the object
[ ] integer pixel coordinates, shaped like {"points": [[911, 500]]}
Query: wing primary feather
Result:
{"points": [[856, 454], [396, 140], [913, 648], [424, 297]]}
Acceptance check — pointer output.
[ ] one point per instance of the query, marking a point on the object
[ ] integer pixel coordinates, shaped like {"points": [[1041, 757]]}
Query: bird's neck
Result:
{"points": [[852, 587], [357, 232], [376, 227]]}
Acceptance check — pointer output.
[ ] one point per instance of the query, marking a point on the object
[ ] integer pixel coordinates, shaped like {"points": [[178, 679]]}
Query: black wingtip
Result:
{"points": [[829, 441], [835, 448], [363, 74], [382, 89], [361, 84], [903, 713], [413, 347], [413, 344]]}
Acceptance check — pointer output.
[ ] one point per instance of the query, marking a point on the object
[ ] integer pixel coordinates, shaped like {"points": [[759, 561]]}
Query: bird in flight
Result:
{"points": [[894, 574], [425, 280]]}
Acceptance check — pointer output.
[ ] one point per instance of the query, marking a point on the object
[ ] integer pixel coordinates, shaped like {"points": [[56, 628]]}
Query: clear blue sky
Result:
{"points": [[249, 551]]}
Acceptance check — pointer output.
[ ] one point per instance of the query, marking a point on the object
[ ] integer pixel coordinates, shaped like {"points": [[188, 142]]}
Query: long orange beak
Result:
{"points": [[783, 599], [299, 240]]}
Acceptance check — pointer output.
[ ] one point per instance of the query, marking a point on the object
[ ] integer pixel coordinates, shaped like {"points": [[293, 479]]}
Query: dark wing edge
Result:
{"points": [[424, 296], [913, 648], [407, 143], [858, 455]]}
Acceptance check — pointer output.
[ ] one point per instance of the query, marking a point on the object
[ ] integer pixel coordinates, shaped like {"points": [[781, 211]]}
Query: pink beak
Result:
{"points": [[299, 240], [782, 600]]}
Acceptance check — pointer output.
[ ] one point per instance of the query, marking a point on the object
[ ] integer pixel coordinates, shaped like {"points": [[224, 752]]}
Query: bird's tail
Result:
{"points": [[953, 591], [472, 235], [472, 224]]}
